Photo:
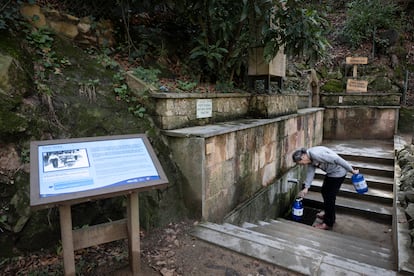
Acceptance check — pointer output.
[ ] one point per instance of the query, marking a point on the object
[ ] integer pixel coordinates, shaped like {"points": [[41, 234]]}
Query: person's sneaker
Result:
{"points": [[320, 215], [322, 226]]}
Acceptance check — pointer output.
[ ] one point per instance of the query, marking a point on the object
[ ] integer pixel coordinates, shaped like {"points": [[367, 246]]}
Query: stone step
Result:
{"points": [[285, 253], [375, 169], [347, 190], [335, 236], [328, 241], [374, 181], [377, 151], [388, 160], [372, 210]]}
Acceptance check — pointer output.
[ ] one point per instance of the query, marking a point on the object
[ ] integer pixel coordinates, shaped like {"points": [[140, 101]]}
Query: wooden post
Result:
{"points": [[67, 240], [133, 233], [355, 73], [101, 233]]}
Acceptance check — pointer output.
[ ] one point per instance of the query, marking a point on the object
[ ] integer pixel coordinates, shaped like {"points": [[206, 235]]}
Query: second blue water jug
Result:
{"points": [[360, 184]]}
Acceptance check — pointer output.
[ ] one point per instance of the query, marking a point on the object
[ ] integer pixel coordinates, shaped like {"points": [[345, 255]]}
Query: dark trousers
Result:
{"points": [[330, 189]]}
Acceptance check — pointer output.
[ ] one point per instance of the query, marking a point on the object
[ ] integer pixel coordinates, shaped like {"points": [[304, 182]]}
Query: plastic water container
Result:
{"points": [[360, 184], [297, 209]]}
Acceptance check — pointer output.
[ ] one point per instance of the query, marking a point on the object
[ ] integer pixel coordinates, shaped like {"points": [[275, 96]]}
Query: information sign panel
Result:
{"points": [[356, 85], [80, 169], [204, 108]]}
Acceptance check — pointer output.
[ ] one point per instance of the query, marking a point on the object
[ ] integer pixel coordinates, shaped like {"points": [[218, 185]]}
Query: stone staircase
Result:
{"points": [[301, 248], [306, 250], [378, 171]]}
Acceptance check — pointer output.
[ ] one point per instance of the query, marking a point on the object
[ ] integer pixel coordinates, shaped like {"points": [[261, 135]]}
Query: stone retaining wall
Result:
{"points": [[177, 110], [226, 164], [372, 99], [360, 122], [271, 202]]}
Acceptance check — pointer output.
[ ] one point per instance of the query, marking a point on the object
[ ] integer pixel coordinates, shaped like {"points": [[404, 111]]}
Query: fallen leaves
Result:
{"points": [[162, 257]]}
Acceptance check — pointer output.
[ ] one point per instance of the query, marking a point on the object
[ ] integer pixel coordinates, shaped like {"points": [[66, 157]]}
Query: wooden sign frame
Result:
{"points": [[354, 85], [52, 161], [80, 181], [356, 60]]}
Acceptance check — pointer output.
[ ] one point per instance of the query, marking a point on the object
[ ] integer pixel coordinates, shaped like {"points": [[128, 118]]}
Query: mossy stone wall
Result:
{"points": [[225, 164]]}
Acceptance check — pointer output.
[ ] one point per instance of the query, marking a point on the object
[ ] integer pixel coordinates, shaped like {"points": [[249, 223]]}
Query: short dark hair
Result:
{"points": [[297, 155]]}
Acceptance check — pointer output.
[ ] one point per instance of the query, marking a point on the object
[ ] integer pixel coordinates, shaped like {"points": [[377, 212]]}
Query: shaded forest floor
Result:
{"points": [[167, 251]]}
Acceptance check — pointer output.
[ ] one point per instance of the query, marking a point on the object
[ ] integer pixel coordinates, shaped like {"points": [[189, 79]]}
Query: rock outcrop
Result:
{"points": [[405, 158]]}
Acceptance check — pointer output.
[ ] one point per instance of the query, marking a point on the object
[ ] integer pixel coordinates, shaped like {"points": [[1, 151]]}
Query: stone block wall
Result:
{"points": [[347, 99], [363, 122], [226, 164], [270, 202], [270, 106], [177, 110]]}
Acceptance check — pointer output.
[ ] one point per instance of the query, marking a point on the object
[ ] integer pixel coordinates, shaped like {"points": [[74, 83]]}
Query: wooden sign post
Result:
{"points": [[71, 171], [354, 85]]}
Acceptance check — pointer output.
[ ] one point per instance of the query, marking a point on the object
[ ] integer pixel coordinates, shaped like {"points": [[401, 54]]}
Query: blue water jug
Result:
{"points": [[297, 209], [360, 184]]}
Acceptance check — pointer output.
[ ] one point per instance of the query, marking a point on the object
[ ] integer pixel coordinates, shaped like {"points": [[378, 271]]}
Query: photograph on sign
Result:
{"points": [[63, 160], [74, 166]]}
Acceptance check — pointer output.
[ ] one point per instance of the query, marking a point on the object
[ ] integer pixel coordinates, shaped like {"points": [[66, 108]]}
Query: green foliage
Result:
{"points": [[186, 86], [258, 14], [217, 37], [41, 38], [41, 41], [9, 14], [333, 86], [122, 91], [148, 75], [219, 33], [120, 87], [137, 110], [365, 18], [106, 60], [211, 55], [25, 156], [225, 87], [302, 32], [405, 120]]}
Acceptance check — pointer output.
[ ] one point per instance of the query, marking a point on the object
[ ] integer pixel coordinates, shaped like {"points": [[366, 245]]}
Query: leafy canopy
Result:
{"points": [[300, 31], [365, 17]]}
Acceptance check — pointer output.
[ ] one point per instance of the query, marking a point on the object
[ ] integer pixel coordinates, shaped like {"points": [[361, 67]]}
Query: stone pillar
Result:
{"points": [[314, 88]]}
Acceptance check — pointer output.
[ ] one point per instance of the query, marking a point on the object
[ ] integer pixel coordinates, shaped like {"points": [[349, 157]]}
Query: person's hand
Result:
{"points": [[303, 192]]}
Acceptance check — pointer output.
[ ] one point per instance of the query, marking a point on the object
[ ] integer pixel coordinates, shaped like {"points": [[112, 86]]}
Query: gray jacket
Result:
{"points": [[328, 161]]}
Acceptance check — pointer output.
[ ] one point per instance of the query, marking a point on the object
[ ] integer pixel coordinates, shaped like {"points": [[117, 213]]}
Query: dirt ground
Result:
{"points": [[172, 251]]}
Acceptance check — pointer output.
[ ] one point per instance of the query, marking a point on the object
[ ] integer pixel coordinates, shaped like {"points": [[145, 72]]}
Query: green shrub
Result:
{"points": [[148, 75], [364, 18], [381, 84], [333, 85]]}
